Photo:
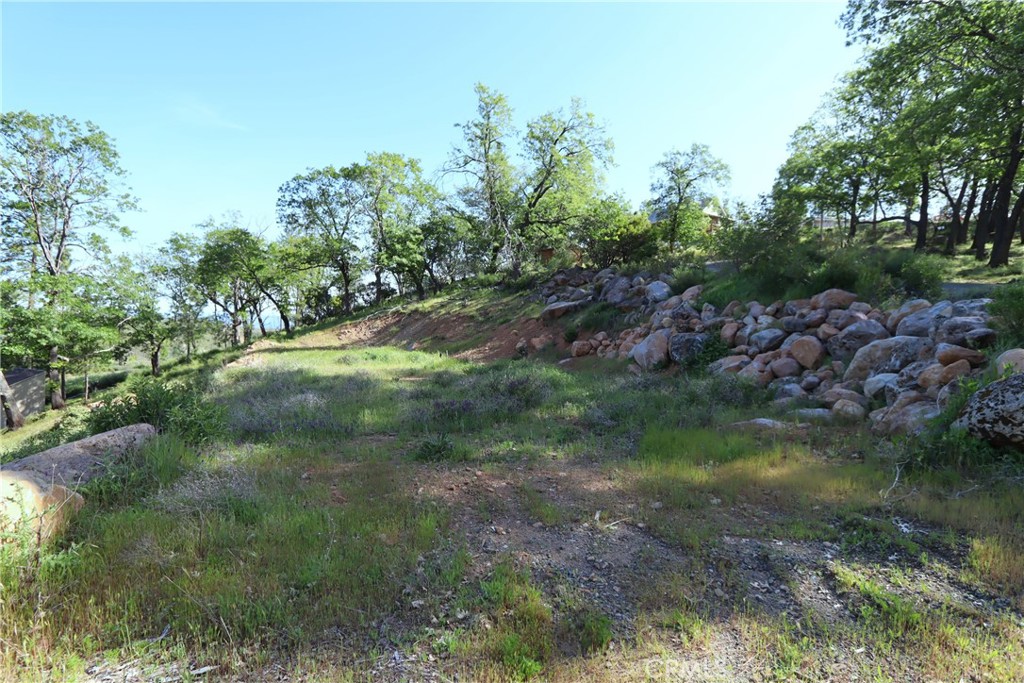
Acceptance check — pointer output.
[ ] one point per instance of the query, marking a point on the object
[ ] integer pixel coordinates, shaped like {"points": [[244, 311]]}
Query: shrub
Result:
{"points": [[1008, 309], [617, 239], [176, 407], [922, 275], [601, 316]]}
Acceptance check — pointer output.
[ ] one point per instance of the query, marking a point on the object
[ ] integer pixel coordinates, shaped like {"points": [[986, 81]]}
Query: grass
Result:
{"points": [[313, 514]]}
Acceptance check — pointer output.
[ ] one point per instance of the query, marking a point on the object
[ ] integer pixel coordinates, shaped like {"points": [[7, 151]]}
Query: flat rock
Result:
{"points": [[995, 413]]}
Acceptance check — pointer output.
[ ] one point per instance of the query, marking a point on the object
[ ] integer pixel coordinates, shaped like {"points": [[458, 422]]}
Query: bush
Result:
{"points": [[1008, 309], [176, 407], [922, 275], [599, 317], [615, 239]]}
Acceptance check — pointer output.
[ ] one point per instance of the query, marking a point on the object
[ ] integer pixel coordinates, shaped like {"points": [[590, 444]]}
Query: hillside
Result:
{"points": [[402, 497]]}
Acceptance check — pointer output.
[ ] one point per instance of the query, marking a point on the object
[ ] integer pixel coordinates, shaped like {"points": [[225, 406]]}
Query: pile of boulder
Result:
{"points": [[830, 357]]}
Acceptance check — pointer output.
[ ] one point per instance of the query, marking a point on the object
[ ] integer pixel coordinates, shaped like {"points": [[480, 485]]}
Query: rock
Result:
{"points": [[815, 318], [785, 367], [686, 347], [921, 323], [756, 373], [768, 340], [791, 323], [728, 332], [693, 293], [826, 332], [980, 337], [836, 394], [31, 499], [833, 298], [1012, 360], [79, 461], [845, 345], [788, 390], [907, 419], [616, 290], [808, 351], [658, 291], [541, 342], [558, 309], [947, 354], [764, 424], [810, 383], [897, 316], [39, 482], [966, 307], [940, 375], [579, 294], [522, 347], [876, 384], [580, 348], [848, 410], [652, 352], [819, 415], [995, 413], [955, 330], [730, 364], [887, 355]]}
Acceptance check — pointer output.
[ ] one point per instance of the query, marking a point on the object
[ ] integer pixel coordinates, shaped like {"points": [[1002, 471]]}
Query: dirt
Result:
{"points": [[418, 330]]}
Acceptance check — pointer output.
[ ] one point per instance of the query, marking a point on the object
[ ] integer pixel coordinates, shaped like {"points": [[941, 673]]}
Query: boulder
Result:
{"points": [[819, 415], [767, 425], [32, 503], [995, 413], [939, 375], [1012, 360], [967, 307], [730, 364], [887, 355], [616, 290], [876, 384], [947, 354], [728, 332], [906, 419], [792, 323], [980, 337], [658, 291], [692, 293], [833, 298], [784, 367], [808, 351], [560, 308], [684, 348], [955, 330], [826, 332], [845, 345], [756, 373], [848, 410], [912, 306], [921, 323], [836, 394], [580, 348], [652, 352], [767, 340]]}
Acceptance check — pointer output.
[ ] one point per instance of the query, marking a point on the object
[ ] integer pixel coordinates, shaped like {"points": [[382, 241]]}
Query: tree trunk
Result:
{"points": [[14, 416], [922, 224], [1017, 216], [981, 225], [968, 212], [56, 395], [855, 197], [154, 363], [86, 395], [263, 327], [1000, 221]]}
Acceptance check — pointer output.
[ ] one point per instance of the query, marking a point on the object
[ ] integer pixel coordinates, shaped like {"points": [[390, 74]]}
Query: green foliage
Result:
{"points": [[1007, 309], [922, 275], [593, 629], [611, 235], [155, 465], [687, 275], [598, 317], [171, 406], [439, 448]]}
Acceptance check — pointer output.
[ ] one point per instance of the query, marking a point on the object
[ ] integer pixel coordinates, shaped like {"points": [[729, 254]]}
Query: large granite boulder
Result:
{"points": [[652, 352], [887, 355], [686, 347], [845, 345], [995, 413]]}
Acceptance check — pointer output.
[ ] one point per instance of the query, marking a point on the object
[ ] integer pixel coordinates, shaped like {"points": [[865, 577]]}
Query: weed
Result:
{"points": [[593, 629]]}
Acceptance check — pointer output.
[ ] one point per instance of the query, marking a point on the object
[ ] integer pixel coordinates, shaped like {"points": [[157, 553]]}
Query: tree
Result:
{"points": [[222, 277], [57, 190], [685, 181], [483, 159], [174, 272], [324, 205]]}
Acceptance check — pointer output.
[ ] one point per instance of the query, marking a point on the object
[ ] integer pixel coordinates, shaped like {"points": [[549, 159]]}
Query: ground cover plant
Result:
{"points": [[379, 513]]}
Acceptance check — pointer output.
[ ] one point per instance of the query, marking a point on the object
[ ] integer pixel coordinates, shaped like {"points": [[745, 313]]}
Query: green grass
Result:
{"points": [[314, 514]]}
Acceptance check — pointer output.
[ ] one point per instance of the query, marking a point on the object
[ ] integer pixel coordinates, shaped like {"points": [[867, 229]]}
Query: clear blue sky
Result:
{"points": [[213, 106]]}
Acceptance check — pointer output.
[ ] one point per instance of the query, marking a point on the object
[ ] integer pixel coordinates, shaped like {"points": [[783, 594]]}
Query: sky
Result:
{"points": [[213, 106]]}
